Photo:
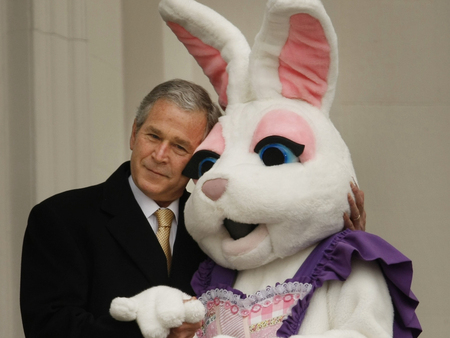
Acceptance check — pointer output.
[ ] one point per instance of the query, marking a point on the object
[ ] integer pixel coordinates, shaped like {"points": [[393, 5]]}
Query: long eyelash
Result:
{"points": [[296, 148]]}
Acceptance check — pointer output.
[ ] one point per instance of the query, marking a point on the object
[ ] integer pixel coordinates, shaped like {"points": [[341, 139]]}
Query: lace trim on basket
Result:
{"points": [[262, 296]]}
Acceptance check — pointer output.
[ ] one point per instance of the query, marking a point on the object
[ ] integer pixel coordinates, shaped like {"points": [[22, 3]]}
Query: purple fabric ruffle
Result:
{"points": [[331, 260]]}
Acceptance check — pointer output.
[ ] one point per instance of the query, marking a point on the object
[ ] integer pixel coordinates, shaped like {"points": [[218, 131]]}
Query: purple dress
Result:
{"points": [[279, 311]]}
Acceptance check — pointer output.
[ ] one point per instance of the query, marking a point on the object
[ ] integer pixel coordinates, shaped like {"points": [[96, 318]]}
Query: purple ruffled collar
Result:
{"points": [[331, 260]]}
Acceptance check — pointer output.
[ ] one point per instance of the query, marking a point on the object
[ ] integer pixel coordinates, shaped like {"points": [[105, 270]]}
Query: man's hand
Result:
{"points": [[357, 218], [186, 330]]}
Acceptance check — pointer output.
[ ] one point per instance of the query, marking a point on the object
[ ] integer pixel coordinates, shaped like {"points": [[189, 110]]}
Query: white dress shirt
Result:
{"points": [[149, 206]]}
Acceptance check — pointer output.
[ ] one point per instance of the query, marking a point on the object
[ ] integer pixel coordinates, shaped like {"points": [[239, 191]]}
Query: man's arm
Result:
{"points": [[55, 284]]}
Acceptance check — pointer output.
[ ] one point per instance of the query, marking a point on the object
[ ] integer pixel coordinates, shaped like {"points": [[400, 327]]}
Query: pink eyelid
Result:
{"points": [[287, 124], [276, 122], [214, 141]]}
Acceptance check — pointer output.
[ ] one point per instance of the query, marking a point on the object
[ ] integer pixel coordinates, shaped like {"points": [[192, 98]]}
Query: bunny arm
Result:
{"points": [[359, 307], [157, 310]]}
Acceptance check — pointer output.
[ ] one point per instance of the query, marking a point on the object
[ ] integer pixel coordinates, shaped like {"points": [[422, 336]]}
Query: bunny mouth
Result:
{"points": [[238, 230]]}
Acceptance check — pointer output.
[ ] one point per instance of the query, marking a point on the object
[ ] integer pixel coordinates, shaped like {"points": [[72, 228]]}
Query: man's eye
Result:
{"points": [[181, 148], [276, 150], [200, 163]]}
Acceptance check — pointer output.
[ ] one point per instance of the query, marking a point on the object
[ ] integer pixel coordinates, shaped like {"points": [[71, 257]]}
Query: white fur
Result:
{"points": [[157, 310], [297, 204]]}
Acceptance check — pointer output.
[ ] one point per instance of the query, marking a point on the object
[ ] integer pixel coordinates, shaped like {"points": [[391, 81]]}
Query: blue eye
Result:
{"points": [[275, 154], [276, 150], [205, 165], [200, 163]]}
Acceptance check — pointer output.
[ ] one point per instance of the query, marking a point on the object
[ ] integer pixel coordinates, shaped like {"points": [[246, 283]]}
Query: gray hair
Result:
{"points": [[185, 95]]}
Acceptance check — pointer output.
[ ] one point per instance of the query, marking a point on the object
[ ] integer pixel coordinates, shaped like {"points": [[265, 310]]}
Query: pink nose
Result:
{"points": [[215, 188]]}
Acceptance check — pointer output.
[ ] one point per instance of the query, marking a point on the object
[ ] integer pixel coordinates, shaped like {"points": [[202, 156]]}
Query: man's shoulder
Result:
{"points": [[71, 202], [87, 196]]}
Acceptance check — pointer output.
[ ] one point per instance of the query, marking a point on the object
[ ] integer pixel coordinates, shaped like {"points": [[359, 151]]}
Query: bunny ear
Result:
{"points": [[295, 53], [216, 44]]}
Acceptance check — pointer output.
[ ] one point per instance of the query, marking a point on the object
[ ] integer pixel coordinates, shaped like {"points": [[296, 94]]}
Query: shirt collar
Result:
{"points": [[148, 205]]}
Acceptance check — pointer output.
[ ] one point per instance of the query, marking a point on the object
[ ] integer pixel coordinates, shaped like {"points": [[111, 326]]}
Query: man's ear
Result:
{"points": [[133, 135]]}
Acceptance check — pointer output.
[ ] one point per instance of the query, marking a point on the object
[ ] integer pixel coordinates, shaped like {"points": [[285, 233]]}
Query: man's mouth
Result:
{"points": [[153, 171], [157, 173], [238, 230]]}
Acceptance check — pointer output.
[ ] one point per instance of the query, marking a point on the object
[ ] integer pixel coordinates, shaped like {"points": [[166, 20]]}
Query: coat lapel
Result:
{"points": [[129, 226]]}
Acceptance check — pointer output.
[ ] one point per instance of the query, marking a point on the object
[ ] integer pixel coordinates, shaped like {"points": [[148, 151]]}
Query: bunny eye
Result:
{"points": [[200, 163], [276, 150]]}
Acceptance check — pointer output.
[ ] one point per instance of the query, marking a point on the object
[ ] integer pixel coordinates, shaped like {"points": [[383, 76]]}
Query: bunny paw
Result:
{"points": [[194, 311], [123, 309]]}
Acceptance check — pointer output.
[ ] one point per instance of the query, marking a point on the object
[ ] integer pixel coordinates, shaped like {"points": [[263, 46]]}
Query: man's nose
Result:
{"points": [[161, 152]]}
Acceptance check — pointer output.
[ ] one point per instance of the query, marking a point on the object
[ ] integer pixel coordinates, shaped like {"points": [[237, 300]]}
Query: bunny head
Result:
{"points": [[273, 175]]}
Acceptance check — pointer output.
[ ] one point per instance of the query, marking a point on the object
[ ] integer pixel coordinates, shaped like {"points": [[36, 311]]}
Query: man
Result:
{"points": [[83, 248]]}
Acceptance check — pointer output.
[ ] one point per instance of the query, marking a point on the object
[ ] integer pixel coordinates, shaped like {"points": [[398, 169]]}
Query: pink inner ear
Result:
{"points": [[209, 58], [305, 61]]}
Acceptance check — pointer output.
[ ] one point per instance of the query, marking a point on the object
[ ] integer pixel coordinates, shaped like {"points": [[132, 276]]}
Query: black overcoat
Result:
{"points": [[83, 248]]}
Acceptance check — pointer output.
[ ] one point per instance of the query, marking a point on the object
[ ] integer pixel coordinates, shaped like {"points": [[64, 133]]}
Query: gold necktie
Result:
{"points": [[164, 217]]}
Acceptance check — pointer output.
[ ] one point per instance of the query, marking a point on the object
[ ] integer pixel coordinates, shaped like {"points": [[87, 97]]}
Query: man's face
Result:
{"points": [[162, 147]]}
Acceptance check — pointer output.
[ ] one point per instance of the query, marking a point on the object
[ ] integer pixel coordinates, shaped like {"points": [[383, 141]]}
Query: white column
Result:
{"points": [[53, 69], [6, 328], [61, 105], [16, 167]]}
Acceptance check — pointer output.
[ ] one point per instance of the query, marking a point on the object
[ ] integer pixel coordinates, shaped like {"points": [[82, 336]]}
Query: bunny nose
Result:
{"points": [[215, 188]]}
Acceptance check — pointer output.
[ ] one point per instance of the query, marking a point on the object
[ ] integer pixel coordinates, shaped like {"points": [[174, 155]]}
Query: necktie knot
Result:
{"points": [[165, 217]]}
